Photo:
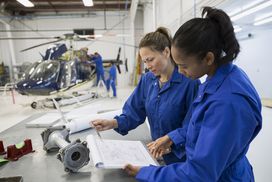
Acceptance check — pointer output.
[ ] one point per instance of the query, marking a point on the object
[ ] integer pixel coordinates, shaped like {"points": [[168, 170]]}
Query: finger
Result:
{"points": [[160, 153], [168, 150], [150, 144], [152, 153], [156, 154], [99, 128], [128, 169], [96, 122], [93, 123], [152, 147]]}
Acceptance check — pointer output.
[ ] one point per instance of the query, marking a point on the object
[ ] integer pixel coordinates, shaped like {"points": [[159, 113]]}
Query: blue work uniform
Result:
{"points": [[98, 68], [164, 107], [226, 117], [111, 80]]}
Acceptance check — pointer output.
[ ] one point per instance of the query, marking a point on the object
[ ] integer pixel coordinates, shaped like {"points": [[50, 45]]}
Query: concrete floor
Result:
{"points": [[259, 153]]}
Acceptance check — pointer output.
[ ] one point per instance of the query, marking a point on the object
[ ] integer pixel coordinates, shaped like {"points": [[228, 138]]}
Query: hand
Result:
{"points": [[132, 170], [104, 124], [160, 146]]}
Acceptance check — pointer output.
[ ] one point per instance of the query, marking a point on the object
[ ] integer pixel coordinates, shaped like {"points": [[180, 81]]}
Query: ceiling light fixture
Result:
{"points": [[26, 3], [251, 10], [263, 16], [247, 6], [88, 2], [263, 21]]}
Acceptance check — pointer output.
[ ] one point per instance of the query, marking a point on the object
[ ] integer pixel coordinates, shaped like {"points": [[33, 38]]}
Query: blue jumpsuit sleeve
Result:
{"points": [[228, 125], [178, 136], [133, 113]]}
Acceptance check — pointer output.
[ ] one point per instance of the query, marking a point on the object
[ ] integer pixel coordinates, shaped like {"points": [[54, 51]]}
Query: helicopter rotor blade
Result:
{"points": [[126, 65], [118, 68], [26, 38], [41, 45]]}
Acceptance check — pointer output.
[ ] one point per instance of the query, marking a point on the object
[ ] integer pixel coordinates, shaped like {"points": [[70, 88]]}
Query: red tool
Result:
{"points": [[2, 149], [14, 153]]}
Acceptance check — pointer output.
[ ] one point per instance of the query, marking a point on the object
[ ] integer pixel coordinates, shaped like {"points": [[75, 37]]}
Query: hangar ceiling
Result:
{"points": [[14, 8]]}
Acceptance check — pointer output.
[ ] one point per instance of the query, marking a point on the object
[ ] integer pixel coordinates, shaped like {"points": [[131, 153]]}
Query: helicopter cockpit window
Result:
{"points": [[46, 71], [73, 71], [69, 74], [29, 71]]}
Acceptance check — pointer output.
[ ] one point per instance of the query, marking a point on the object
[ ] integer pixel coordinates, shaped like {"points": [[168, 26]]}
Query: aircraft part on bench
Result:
{"points": [[63, 101], [73, 155]]}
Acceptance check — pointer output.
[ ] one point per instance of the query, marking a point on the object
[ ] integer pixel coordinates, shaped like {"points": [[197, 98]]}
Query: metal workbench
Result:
{"points": [[45, 167]]}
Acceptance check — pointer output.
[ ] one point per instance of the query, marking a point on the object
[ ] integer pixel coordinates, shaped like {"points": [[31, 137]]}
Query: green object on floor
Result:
{"points": [[3, 161]]}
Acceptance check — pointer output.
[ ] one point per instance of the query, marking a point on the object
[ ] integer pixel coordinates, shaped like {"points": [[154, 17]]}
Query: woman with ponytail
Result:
{"points": [[163, 95], [226, 114]]}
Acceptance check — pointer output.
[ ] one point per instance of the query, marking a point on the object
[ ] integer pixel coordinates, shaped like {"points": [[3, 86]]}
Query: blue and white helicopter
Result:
{"points": [[60, 69]]}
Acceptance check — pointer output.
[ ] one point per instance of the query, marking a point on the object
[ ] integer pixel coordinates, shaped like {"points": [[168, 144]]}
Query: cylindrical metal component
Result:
{"points": [[58, 139], [74, 156]]}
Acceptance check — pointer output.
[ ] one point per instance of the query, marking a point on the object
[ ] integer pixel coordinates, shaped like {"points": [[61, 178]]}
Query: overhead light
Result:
{"points": [[240, 9], [263, 21], [237, 28], [263, 16], [26, 3], [251, 10], [88, 2]]}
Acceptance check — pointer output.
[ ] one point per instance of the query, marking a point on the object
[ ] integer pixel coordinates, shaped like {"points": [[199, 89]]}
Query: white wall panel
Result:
{"points": [[255, 59], [148, 18]]}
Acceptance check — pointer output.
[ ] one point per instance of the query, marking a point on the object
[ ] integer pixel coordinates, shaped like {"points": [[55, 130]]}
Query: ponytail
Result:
{"points": [[158, 40], [212, 33]]}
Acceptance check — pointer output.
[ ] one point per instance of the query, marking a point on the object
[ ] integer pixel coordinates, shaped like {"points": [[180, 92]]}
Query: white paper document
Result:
{"points": [[117, 153]]}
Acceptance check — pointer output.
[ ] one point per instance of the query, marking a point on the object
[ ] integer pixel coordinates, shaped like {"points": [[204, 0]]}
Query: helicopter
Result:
{"points": [[60, 69]]}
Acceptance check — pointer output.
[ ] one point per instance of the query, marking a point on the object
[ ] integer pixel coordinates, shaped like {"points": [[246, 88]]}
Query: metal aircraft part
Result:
{"points": [[64, 100], [73, 155], [55, 137]]}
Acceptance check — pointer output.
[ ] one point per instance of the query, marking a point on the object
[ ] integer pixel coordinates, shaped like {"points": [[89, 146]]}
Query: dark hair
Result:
{"points": [[212, 33], [158, 40]]}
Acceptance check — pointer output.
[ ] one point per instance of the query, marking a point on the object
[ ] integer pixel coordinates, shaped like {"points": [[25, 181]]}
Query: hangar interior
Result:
{"points": [[33, 33]]}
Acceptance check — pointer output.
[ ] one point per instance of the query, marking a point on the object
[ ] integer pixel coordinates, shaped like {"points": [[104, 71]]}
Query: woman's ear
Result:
{"points": [[167, 52], [209, 58]]}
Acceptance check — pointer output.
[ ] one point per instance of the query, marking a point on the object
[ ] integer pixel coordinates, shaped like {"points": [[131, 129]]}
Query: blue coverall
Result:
{"points": [[98, 68], [111, 80], [164, 107], [226, 117]]}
